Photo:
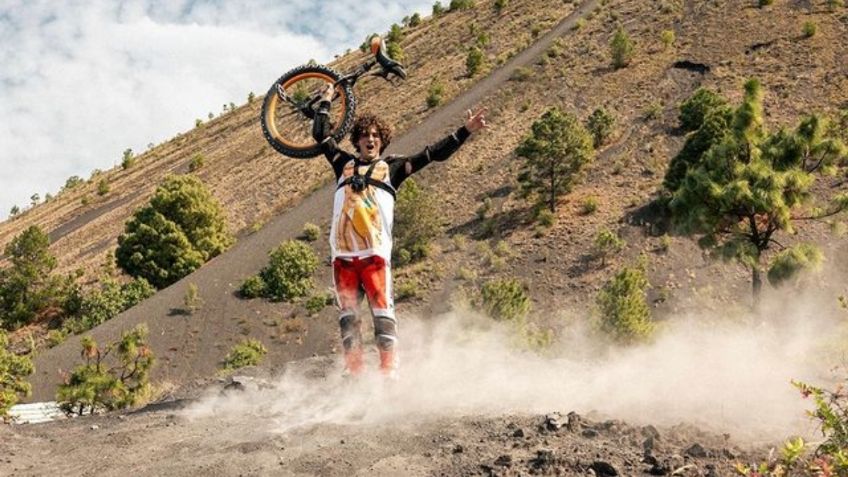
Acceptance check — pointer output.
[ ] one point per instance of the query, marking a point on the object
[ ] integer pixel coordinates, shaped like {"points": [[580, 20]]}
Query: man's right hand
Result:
{"points": [[327, 94]]}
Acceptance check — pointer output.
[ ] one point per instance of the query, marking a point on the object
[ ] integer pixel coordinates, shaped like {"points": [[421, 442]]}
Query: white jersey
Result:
{"points": [[362, 221]]}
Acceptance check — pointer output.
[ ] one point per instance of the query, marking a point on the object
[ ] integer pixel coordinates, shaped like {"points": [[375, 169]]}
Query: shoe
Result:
{"points": [[354, 363], [389, 364]]}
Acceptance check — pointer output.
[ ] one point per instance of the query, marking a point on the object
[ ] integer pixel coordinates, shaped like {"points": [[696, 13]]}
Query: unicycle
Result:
{"points": [[293, 99]]}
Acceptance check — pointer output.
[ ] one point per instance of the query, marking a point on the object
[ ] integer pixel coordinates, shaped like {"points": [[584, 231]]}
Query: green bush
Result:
{"points": [[545, 217], [196, 162], [500, 5], [102, 187], [104, 303], [128, 159], [56, 337], [589, 205], [474, 61], [94, 385], [435, 93], [600, 124], [694, 111], [73, 182], [417, 223], [247, 353], [667, 37], [790, 263], [607, 243], [395, 52], [191, 299], [316, 303], [415, 20], [252, 287], [521, 73], [311, 232], [765, 3], [13, 371], [622, 302], [460, 5], [438, 9], [505, 299], [182, 227], [621, 49], [288, 274], [833, 5], [809, 29]]}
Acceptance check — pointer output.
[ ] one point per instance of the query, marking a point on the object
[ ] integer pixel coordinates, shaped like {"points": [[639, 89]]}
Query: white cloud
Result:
{"points": [[82, 82]]}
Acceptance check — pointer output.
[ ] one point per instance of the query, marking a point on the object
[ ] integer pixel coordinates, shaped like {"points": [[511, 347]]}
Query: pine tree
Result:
{"points": [[13, 370], [623, 307], [749, 185], [27, 287], [557, 150], [621, 49], [182, 227]]}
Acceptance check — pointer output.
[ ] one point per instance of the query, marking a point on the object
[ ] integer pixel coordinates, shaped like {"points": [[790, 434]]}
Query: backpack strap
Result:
{"points": [[368, 179]]}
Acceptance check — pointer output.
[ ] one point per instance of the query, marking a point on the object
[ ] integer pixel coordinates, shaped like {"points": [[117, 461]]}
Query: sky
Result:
{"points": [[81, 81]]}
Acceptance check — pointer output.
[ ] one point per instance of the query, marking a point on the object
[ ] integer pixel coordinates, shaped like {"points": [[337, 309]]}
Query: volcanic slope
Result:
{"points": [[718, 44]]}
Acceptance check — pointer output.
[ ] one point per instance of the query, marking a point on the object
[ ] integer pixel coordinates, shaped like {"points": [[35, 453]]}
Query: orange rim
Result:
{"points": [[275, 102]]}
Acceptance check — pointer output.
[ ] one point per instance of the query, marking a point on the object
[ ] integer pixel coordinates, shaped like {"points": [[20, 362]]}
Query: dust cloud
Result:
{"points": [[720, 374]]}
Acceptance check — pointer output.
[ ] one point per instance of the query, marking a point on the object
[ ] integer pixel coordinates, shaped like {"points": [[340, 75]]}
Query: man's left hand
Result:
{"points": [[476, 121]]}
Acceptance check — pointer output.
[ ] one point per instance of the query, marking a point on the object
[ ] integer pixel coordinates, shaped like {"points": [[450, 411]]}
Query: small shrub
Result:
{"points": [[665, 243], [191, 299], [85, 200], [652, 111], [288, 274], [417, 223], [252, 287], [250, 97], [765, 3], [311, 232], [95, 386], [128, 159], [667, 37], [406, 289], [484, 208], [522, 73], [621, 49], [395, 52], [73, 182], [198, 122], [833, 5], [545, 217], [438, 9], [589, 205], [196, 162], [579, 24], [102, 187], [600, 124], [247, 353], [316, 303], [465, 273], [535, 30], [483, 39], [789, 264], [56, 337], [435, 93], [505, 299], [13, 371], [415, 20], [15, 210], [622, 302], [460, 5], [500, 5], [607, 243], [474, 61], [809, 29]]}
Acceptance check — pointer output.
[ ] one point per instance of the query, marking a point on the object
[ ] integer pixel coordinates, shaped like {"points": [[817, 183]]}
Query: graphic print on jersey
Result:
{"points": [[360, 225]]}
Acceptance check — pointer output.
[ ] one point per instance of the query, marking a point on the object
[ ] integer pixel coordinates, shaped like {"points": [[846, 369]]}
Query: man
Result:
{"points": [[363, 212]]}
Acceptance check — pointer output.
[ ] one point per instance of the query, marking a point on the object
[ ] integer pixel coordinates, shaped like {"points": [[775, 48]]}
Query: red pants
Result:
{"points": [[371, 277]]}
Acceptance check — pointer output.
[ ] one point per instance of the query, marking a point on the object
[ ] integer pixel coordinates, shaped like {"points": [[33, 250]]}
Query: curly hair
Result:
{"points": [[363, 123]]}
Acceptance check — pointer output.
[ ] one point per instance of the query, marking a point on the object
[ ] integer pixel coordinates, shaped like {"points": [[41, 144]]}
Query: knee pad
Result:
{"points": [[351, 328], [385, 331]]}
